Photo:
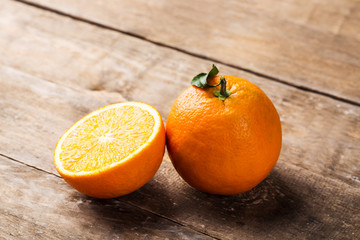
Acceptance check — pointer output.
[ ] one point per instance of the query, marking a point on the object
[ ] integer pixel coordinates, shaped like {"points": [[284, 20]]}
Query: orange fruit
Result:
{"points": [[112, 151], [224, 141]]}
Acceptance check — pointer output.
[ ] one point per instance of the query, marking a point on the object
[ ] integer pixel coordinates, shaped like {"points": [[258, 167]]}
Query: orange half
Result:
{"points": [[112, 151]]}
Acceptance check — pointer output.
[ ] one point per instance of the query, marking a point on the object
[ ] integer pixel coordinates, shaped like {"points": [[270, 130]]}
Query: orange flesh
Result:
{"points": [[106, 138]]}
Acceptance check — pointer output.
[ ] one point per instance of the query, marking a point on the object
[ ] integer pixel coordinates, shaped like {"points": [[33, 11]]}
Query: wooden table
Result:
{"points": [[61, 59]]}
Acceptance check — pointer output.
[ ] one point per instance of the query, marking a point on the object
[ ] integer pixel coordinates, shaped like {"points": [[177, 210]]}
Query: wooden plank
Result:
{"points": [[310, 44], [34, 112], [38, 205], [94, 61], [337, 17], [280, 207], [313, 192], [291, 203]]}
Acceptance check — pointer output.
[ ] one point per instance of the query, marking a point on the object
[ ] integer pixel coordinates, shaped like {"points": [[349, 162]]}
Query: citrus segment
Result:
{"points": [[105, 138], [113, 150]]}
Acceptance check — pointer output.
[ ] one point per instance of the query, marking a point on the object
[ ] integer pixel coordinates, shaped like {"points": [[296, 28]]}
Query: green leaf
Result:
{"points": [[200, 80], [213, 72]]}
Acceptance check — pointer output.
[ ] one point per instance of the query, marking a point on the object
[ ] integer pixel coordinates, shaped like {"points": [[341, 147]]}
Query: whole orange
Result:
{"points": [[223, 144]]}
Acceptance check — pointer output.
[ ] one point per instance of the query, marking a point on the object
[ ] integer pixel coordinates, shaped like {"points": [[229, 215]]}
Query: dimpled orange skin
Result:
{"points": [[224, 147]]}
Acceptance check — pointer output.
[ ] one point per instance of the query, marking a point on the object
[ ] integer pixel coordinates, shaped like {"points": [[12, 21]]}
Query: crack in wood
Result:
{"points": [[164, 45], [174, 221], [28, 165], [124, 202]]}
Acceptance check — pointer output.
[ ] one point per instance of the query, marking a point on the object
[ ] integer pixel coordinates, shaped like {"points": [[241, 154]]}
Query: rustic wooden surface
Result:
{"points": [[310, 44], [63, 59]]}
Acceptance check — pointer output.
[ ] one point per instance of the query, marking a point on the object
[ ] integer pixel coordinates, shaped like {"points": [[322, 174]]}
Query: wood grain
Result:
{"points": [[320, 134], [291, 202], [53, 70], [38, 205], [312, 44], [34, 112], [336, 17]]}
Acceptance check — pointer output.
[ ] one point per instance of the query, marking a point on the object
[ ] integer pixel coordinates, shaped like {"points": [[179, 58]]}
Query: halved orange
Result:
{"points": [[112, 151]]}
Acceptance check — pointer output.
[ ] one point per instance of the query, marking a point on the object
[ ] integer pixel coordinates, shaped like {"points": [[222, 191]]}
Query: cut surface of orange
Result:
{"points": [[112, 151]]}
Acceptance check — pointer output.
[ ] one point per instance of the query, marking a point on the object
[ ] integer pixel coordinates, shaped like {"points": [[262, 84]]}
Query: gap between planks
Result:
{"points": [[42, 170], [289, 200], [28, 165], [164, 45], [125, 202]]}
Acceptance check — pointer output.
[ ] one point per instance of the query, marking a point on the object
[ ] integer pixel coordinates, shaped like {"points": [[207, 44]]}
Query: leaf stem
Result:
{"points": [[200, 81], [209, 85], [224, 91]]}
